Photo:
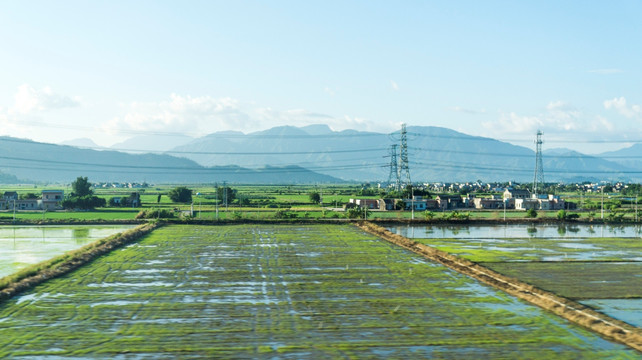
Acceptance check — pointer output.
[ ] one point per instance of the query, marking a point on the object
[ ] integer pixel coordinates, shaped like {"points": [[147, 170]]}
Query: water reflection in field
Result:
{"points": [[21, 246], [518, 231]]}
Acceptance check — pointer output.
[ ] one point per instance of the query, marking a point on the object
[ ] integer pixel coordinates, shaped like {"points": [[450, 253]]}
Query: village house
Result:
{"points": [[511, 195], [386, 204], [10, 196], [526, 204], [488, 203], [27, 204], [365, 203], [417, 203], [551, 202], [51, 199], [449, 202]]}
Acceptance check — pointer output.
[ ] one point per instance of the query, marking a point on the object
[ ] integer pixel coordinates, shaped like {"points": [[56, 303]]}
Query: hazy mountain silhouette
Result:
{"points": [[315, 153], [40, 162], [435, 154]]}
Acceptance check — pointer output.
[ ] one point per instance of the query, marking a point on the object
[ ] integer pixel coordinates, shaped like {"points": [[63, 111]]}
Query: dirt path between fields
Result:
{"points": [[566, 308]]}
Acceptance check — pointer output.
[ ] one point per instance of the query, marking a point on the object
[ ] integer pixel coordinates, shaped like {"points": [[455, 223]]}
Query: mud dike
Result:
{"points": [[575, 312]]}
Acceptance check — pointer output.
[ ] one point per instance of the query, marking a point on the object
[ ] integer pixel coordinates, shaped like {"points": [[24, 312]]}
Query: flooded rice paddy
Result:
{"points": [[280, 292], [21, 246], [598, 265]]}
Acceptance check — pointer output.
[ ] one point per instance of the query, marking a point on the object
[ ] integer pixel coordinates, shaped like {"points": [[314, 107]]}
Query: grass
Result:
{"points": [[290, 291]]}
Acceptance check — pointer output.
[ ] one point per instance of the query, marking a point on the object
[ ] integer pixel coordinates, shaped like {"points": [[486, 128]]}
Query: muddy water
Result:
{"points": [[21, 246]]}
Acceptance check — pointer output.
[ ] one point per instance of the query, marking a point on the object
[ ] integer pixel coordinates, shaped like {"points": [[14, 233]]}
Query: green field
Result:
{"points": [[262, 201], [282, 291], [577, 262]]}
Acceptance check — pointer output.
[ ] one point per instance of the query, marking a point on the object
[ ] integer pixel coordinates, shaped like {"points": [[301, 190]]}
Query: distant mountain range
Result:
{"points": [[435, 154], [28, 161], [310, 154]]}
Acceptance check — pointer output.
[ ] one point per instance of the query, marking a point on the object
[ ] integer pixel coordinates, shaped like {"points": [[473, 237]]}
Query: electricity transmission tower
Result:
{"points": [[394, 170], [404, 168], [538, 179]]}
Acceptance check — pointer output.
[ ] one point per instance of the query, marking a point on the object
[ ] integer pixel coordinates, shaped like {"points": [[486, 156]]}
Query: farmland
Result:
{"points": [[264, 201], [596, 265], [21, 246], [280, 291]]}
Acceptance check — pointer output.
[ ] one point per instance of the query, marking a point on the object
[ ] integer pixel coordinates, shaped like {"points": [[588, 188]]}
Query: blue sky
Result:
{"points": [[116, 69]]}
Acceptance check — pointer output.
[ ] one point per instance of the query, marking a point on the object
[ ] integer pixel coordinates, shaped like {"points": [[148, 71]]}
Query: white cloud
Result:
{"points": [[620, 105], [394, 85], [601, 123], [559, 116], [29, 100], [182, 114], [197, 116], [24, 117]]}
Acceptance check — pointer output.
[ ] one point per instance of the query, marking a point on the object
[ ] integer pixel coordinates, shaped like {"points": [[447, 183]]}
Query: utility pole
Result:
{"points": [[412, 203], [602, 202], [216, 191], [225, 196]]}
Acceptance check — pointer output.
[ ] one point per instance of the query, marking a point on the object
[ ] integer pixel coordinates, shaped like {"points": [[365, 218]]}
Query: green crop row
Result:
{"points": [[284, 291]]}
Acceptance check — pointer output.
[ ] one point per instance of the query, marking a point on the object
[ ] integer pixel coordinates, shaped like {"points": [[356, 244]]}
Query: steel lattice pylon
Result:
{"points": [[393, 176], [404, 168], [538, 179]]}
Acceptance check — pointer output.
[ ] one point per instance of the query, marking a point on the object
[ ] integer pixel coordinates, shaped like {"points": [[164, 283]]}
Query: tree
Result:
{"points": [[28, 196], [82, 196], [83, 202], [314, 196], [223, 191], [81, 187], [180, 194], [357, 213]]}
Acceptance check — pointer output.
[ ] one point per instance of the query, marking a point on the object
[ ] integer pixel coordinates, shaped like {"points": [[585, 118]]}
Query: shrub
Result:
{"points": [[154, 214], [531, 213], [83, 202], [357, 213], [283, 214]]}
